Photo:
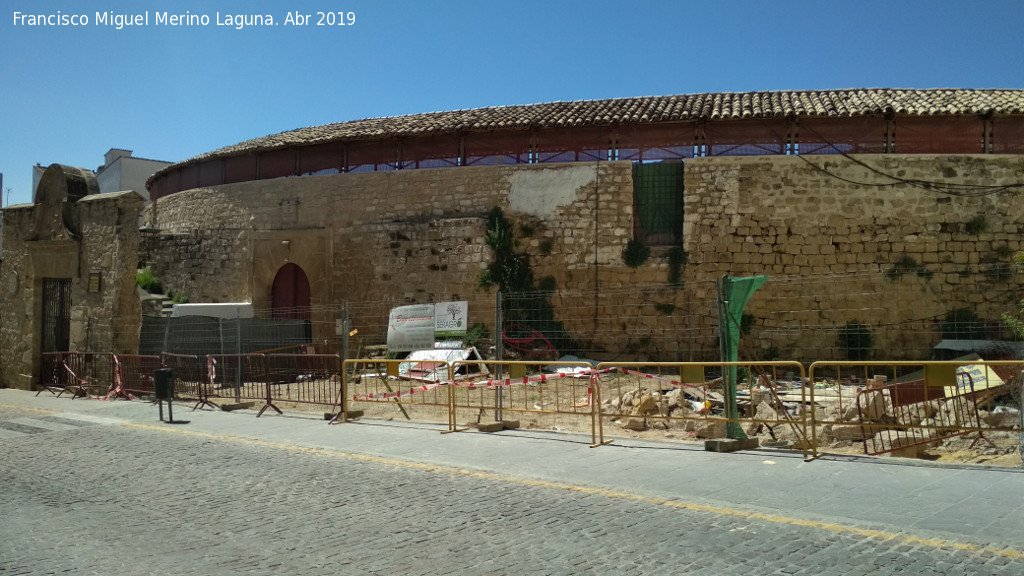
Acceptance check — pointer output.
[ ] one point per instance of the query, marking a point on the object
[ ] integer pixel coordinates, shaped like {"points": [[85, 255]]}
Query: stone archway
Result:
{"points": [[290, 293]]}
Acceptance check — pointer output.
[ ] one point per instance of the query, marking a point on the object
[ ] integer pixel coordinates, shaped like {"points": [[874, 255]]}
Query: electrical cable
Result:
{"points": [[951, 189]]}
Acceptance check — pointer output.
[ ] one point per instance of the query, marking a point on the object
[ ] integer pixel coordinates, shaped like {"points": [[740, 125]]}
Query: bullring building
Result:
{"points": [[890, 208]]}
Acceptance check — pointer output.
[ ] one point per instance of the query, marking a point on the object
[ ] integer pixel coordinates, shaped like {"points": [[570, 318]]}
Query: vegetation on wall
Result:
{"points": [[747, 324], [149, 282], [907, 265], [963, 324], [523, 303], [510, 270], [547, 284], [998, 264], [665, 308], [677, 258], [635, 254], [856, 341], [976, 225], [1009, 320]]}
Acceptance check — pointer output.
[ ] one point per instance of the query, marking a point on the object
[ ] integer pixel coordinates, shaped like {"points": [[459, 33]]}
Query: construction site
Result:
{"points": [[807, 269]]}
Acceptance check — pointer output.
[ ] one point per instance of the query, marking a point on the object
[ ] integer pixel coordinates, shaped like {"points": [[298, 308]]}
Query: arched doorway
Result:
{"points": [[290, 294]]}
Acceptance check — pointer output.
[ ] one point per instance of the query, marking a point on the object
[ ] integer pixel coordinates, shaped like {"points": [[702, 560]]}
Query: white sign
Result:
{"points": [[450, 320], [417, 326], [411, 328]]}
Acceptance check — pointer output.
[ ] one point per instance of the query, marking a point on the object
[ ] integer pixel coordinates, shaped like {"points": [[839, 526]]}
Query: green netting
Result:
{"points": [[658, 189], [733, 296]]}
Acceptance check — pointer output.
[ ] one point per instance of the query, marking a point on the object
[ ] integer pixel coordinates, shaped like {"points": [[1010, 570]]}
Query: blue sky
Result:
{"points": [[70, 93]]}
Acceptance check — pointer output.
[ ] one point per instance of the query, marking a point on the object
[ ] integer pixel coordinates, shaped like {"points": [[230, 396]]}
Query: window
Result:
{"points": [[658, 203]]}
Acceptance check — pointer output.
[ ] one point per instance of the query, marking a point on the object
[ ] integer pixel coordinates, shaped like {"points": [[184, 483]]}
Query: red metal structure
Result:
{"points": [[870, 121]]}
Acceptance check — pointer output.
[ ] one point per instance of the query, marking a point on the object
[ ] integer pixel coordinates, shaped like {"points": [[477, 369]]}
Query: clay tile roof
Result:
{"points": [[643, 110]]}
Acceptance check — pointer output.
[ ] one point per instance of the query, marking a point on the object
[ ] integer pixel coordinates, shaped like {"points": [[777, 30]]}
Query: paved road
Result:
{"points": [[90, 487]]}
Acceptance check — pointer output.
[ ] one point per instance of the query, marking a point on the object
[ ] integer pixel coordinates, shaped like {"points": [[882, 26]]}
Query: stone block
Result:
{"points": [[634, 423], [490, 426], [852, 432], [730, 444], [710, 429]]}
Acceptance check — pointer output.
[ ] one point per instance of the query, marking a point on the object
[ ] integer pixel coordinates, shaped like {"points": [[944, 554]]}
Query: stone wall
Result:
{"points": [[841, 239], [938, 231], [388, 237], [105, 313]]}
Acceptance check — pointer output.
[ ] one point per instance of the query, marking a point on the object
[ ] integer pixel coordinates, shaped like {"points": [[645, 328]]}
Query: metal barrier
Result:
{"points": [[377, 383], [304, 379], [80, 373], [239, 376], [887, 407], [547, 391], [692, 396], [902, 406], [191, 377], [133, 374]]}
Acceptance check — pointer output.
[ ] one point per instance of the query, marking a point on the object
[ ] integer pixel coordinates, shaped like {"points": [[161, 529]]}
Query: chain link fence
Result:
{"points": [[870, 315]]}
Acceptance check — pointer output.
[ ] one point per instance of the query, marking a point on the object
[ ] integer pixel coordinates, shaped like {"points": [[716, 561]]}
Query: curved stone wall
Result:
{"points": [[876, 239]]}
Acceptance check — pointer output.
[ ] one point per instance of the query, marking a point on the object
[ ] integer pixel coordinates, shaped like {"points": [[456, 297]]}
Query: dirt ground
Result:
{"points": [[564, 405]]}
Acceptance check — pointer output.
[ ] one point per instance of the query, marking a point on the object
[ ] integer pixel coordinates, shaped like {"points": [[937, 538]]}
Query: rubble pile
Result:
{"points": [[642, 408], [853, 414]]}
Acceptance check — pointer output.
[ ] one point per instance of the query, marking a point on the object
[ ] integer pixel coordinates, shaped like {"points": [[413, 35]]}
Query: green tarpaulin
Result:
{"points": [[733, 294]]}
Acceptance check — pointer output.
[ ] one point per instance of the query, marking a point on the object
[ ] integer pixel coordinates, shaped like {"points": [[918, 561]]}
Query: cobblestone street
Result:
{"points": [[98, 493]]}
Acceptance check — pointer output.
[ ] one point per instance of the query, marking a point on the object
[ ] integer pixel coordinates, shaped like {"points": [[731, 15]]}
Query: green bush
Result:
{"points": [[149, 282], [635, 253], [476, 335]]}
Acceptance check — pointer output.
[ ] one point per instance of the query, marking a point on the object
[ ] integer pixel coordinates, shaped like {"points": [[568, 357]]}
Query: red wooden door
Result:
{"points": [[290, 293]]}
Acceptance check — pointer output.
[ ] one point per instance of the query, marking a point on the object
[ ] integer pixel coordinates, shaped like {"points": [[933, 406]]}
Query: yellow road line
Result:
{"points": [[719, 510], [27, 409]]}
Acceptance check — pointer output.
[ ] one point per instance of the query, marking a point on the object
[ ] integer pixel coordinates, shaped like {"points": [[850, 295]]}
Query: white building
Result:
{"points": [[120, 171]]}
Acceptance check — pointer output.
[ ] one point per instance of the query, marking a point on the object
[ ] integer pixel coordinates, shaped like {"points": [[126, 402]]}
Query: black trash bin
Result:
{"points": [[163, 384]]}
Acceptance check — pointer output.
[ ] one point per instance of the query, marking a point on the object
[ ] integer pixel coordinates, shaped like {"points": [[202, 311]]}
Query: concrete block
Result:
{"points": [[730, 444], [490, 426], [510, 424], [239, 406]]}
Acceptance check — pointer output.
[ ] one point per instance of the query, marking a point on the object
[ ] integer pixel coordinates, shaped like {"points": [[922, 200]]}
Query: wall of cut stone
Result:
{"points": [[105, 314], [831, 220], [841, 239], [389, 238]]}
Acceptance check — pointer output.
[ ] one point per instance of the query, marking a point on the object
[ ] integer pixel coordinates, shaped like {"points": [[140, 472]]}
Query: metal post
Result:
{"points": [[723, 312], [167, 333], [498, 354], [238, 357], [345, 329]]}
